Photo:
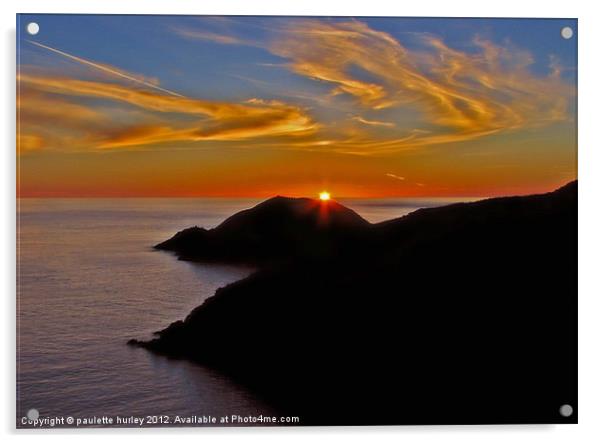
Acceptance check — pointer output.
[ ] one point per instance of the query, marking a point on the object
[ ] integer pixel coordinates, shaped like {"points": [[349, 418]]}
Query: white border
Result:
{"points": [[590, 220]]}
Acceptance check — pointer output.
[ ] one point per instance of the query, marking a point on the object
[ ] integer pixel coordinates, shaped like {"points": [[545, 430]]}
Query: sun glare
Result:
{"points": [[324, 196]]}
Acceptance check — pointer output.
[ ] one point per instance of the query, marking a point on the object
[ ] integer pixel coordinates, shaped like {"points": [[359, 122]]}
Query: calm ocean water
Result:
{"points": [[89, 280]]}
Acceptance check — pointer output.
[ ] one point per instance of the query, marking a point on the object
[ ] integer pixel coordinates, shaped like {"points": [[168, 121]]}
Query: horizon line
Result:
{"points": [[112, 197]]}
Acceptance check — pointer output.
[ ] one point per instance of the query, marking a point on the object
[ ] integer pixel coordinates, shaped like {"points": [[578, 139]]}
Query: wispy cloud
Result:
{"points": [[464, 95], [29, 142], [373, 122], [454, 95], [396, 177], [216, 120], [47, 120], [461, 95], [214, 37]]}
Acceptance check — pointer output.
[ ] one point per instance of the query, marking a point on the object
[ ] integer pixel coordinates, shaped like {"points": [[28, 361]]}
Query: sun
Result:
{"points": [[324, 196]]}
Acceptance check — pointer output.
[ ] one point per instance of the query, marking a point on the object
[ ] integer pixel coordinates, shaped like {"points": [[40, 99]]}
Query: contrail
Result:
{"points": [[105, 69]]}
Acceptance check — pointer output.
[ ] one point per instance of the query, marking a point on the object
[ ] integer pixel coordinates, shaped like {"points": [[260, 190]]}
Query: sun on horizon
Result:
{"points": [[324, 195]]}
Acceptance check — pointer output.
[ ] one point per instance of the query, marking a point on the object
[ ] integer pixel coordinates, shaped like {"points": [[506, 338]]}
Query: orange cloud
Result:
{"points": [[456, 95], [46, 120], [216, 120], [29, 142], [466, 95], [40, 110], [373, 122]]}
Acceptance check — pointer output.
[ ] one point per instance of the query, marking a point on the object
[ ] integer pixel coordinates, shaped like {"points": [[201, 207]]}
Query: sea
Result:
{"points": [[88, 280]]}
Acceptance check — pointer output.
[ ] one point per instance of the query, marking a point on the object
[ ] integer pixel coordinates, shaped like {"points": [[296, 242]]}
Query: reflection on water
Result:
{"points": [[89, 280]]}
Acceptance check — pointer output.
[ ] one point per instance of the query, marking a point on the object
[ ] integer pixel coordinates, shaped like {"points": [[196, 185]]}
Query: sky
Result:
{"points": [[186, 106]]}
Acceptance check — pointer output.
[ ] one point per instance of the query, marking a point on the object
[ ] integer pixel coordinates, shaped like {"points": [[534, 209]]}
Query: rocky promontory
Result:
{"points": [[459, 314]]}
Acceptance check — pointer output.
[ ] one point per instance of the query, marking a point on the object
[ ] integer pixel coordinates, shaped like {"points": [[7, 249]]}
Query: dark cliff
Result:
{"points": [[459, 314], [279, 229]]}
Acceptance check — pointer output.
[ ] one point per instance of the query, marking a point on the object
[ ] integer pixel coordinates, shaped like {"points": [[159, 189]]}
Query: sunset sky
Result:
{"points": [[120, 106]]}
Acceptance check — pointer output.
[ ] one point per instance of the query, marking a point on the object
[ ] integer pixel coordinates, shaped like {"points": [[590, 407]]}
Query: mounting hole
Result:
{"points": [[33, 414], [566, 32], [566, 410], [33, 28]]}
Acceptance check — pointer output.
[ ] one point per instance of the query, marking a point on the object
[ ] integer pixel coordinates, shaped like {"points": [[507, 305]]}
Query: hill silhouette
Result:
{"points": [[459, 314], [278, 229]]}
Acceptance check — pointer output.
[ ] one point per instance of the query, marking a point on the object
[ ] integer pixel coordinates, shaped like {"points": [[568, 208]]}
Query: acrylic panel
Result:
{"points": [[295, 221]]}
